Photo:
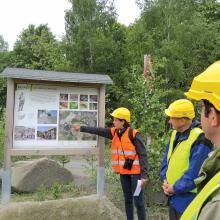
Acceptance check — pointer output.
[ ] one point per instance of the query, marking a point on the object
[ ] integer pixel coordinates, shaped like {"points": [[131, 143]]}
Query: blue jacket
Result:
{"points": [[199, 152]]}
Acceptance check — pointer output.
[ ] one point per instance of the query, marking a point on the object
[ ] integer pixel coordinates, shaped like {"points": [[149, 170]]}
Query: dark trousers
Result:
{"points": [[129, 183], [174, 215]]}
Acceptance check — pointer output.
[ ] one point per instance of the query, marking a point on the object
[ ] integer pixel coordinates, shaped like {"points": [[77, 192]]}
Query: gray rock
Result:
{"points": [[27, 176], [83, 208]]}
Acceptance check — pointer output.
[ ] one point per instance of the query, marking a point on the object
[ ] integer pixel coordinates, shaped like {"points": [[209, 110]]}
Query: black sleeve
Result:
{"points": [[104, 132], [142, 153]]}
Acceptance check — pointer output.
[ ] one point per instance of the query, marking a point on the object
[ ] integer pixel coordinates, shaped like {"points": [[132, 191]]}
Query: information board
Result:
{"points": [[43, 116]]}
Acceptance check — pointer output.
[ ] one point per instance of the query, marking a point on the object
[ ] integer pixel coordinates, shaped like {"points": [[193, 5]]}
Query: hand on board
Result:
{"points": [[75, 127]]}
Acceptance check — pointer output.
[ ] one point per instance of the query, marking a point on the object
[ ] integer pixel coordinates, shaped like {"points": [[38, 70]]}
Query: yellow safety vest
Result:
{"points": [[193, 210], [178, 160]]}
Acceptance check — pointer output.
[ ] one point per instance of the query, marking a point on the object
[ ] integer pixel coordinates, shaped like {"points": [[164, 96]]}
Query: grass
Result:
{"points": [[112, 191], [57, 191]]}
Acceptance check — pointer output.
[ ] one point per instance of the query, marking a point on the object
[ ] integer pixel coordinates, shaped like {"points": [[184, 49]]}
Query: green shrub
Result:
{"points": [[41, 193], [92, 162], [56, 190], [62, 159]]}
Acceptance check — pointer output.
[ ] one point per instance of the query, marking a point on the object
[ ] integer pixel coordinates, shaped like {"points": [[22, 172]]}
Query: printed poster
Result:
{"points": [[43, 116]]}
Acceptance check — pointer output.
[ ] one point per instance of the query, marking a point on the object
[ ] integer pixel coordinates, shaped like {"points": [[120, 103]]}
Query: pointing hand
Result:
{"points": [[76, 127]]}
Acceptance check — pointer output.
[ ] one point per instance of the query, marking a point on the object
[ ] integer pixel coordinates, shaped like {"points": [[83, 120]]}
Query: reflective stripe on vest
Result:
{"points": [[136, 162], [126, 152], [118, 156], [193, 210], [178, 160]]}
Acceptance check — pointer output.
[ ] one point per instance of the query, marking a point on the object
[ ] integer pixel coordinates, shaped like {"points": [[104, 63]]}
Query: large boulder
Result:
{"points": [[88, 207], [27, 176]]}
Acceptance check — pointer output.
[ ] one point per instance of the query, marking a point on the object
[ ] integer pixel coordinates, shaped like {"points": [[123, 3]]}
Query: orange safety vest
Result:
{"points": [[124, 148]]}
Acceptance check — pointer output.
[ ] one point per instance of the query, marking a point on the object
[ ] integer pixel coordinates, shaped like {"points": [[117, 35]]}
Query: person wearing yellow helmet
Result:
{"points": [[129, 158], [183, 157], [206, 87], [122, 113]]}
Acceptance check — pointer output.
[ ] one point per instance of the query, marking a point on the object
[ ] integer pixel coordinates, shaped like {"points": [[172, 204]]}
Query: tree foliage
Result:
{"points": [[3, 44], [96, 42], [4, 62], [37, 48], [179, 36]]}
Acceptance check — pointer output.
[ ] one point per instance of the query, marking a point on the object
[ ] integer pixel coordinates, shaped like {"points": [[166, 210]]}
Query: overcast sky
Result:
{"points": [[16, 15]]}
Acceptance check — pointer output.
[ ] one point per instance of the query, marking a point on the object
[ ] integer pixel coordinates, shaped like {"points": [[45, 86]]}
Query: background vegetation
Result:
{"points": [[183, 38]]}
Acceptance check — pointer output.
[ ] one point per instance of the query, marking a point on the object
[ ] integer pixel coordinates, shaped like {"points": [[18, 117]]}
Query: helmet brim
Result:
{"points": [[167, 112], [193, 95], [197, 95]]}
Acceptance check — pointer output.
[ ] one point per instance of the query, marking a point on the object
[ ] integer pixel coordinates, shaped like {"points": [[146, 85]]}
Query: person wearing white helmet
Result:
{"points": [[206, 87], [183, 157], [129, 158]]}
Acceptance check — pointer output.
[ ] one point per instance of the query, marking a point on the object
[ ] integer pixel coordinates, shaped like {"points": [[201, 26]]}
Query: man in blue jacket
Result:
{"points": [[183, 158]]}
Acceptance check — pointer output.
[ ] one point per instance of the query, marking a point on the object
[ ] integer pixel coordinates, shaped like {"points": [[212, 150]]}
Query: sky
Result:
{"points": [[16, 15]]}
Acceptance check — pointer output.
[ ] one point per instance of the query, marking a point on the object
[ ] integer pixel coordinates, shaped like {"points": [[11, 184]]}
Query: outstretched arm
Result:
{"points": [[104, 132]]}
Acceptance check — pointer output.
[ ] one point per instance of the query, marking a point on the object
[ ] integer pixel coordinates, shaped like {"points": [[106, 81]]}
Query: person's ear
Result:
{"points": [[218, 118], [214, 118]]}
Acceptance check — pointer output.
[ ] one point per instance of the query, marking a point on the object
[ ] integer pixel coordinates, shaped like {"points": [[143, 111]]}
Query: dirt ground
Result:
{"points": [[80, 169]]}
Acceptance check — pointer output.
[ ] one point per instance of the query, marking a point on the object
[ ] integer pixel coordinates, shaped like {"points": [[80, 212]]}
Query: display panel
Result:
{"points": [[43, 115]]}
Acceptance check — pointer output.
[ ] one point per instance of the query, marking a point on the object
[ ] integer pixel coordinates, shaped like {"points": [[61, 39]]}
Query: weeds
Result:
{"points": [[41, 193], [56, 190]]}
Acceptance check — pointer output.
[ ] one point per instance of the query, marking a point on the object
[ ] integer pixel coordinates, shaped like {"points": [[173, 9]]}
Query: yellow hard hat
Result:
{"points": [[122, 113], [181, 108], [207, 85]]}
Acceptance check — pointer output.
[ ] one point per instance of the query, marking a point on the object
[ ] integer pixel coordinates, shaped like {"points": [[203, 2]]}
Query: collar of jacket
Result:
{"points": [[210, 167], [120, 132], [181, 136]]}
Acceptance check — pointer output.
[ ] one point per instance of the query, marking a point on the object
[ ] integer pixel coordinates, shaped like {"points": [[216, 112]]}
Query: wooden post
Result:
{"points": [[101, 143], [6, 176]]}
